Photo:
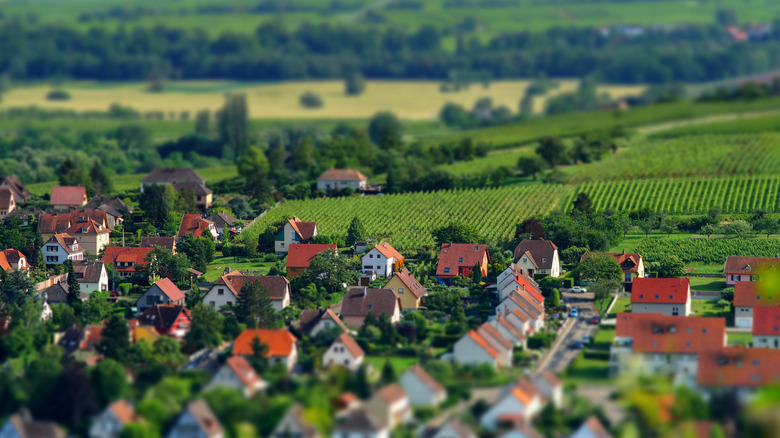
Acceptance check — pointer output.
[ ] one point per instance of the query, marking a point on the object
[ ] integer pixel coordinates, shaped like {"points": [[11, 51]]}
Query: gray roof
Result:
{"points": [[170, 175]]}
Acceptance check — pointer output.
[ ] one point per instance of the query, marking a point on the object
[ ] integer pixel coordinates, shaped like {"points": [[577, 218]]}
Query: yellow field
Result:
{"points": [[407, 99]]}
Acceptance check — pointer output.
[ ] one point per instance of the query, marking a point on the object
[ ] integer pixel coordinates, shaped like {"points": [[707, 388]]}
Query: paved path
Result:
{"points": [[561, 354]]}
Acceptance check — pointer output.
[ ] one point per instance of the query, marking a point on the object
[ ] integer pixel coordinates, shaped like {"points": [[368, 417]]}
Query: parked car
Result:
{"points": [[595, 320], [578, 290], [586, 339], [576, 345], [574, 313]]}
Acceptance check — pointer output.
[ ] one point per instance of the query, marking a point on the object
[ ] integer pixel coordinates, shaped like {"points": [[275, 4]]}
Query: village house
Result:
{"points": [[766, 327], [592, 428], [91, 275], [293, 231], [300, 255], [360, 423], [225, 291], [550, 386], [421, 388], [382, 260], [57, 293], [195, 224], [223, 222], [66, 197], [408, 289], [358, 301], [112, 205], [473, 349], [747, 268], [170, 176], [313, 321], [161, 292], [21, 194], [61, 247], [630, 263], [7, 202], [282, 345], [390, 406], [526, 302], [294, 424], [167, 242], [167, 319], [738, 370], [520, 320], [110, 422], [748, 296], [520, 404], [503, 346], [452, 428], [197, 421], [334, 179], [126, 260], [538, 257], [50, 224], [669, 296], [512, 278], [510, 331], [92, 236], [22, 425], [80, 342], [461, 259], [13, 260], [344, 352], [659, 345], [203, 196], [238, 374]]}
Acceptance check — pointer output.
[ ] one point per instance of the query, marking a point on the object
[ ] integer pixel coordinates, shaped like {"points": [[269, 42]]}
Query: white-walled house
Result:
{"points": [[92, 275], [525, 302], [669, 296], [61, 247], [501, 344], [766, 327], [538, 257], [390, 405], [422, 389], [334, 179], [238, 374], [110, 422], [382, 260], [197, 421], [510, 331], [293, 231], [225, 291], [345, 352], [747, 298], [473, 349], [747, 268], [550, 386], [518, 405]]}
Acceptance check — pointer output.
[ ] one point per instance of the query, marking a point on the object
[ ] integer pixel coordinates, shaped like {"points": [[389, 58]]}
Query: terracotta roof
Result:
{"points": [[457, 255], [6, 198], [350, 344], [10, 257], [172, 175], [656, 333], [523, 317], [123, 412], [53, 223], [205, 417], [342, 175], [280, 342], [526, 303], [410, 282], [311, 317], [597, 430], [20, 191], [426, 379], [222, 219], [304, 229], [245, 373], [276, 285], [508, 326], [65, 241], [299, 254], [542, 251], [487, 330], [550, 377], [167, 242], [125, 254], [388, 251], [68, 195], [197, 188], [660, 290], [163, 316], [476, 337], [749, 265], [521, 395], [360, 300], [193, 223], [628, 261], [739, 367], [169, 289], [359, 420], [749, 294], [392, 393], [533, 292], [84, 215], [526, 430], [766, 321], [89, 227]]}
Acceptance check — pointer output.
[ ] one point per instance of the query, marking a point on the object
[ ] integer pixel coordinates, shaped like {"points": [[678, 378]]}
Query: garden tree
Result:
{"points": [[203, 123], [356, 232], [531, 228], [157, 202], [254, 307], [311, 100], [253, 166], [73, 402], [456, 232], [715, 212], [40, 379], [453, 114], [647, 226], [63, 317], [241, 208], [18, 342], [96, 308], [200, 251], [101, 183], [527, 104], [552, 151], [476, 274], [115, 339], [205, 328], [259, 357], [330, 271], [555, 296], [302, 155], [670, 266], [132, 138], [161, 263], [668, 225], [738, 228], [599, 266], [385, 131], [582, 204], [389, 335], [139, 430], [16, 289], [602, 291], [709, 229], [167, 351], [530, 166], [572, 255], [184, 202], [73, 175], [74, 288], [354, 84], [233, 124], [358, 384], [388, 372], [458, 315], [767, 225], [109, 381], [10, 394]]}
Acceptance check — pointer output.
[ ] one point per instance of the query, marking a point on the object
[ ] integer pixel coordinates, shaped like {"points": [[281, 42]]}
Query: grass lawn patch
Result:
{"points": [[707, 284], [710, 308], [215, 269], [623, 304], [592, 365], [400, 364], [739, 338]]}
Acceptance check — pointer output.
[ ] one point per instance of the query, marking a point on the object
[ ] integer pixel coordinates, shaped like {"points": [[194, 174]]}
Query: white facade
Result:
{"points": [[331, 184], [420, 394], [529, 267], [53, 253], [467, 352], [665, 308], [100, 286], [504, 353], [286, 237], [381, 433], [510, 405], [507, 306], [766, 341], [376, 262], [550, 391], [339, 355], [106, 425], [682, 368], [288, 361], [743, 317], [506, 333], [221, 295], [226, 377]]}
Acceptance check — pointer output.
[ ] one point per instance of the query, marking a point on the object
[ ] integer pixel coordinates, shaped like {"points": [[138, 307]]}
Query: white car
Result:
{"points": [[578, 290]]}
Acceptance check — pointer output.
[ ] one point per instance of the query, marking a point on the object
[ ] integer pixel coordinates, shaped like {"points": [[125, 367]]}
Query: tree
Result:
{"points": [[738, 228], [767, 225], [385, 130], [647, 226], [668, 225], [74, 288], [476, 274], [253, 166], [254, 307], [602, 291], [200, 251], [233, 122], [572, 255], [16, 289], [311, 100], [329, 270], [205, 328], [115, 339], [96, 308], [157, 202], [302, 155], [241, 208], [555, 298], [101, 183], [203, 123], [726, 17], [582, 204], [354, 84], [552, 150], [167, 351], [709, 230], [453, 114], [73, 175], [527, 104], [259, 357], [109, 380], [456, 232], [599, 266], [530, 166], [161, 263], [388, 372], [356, 231], [670, 266]]}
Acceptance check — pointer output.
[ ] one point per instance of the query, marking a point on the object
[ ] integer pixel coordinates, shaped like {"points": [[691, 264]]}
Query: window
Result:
{"points": [[400, 290], [460, 260], [446, 270], [212, 304], [52, 259], [199, 198], [51, 248], [378, 267], [370, 306], [220, 291], [525, 260], [544, 259], [371, 256]]}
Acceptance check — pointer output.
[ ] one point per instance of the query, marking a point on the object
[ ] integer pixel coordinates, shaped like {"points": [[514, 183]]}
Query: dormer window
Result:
{"points": [[460, 260], [85, 230], [544, 259]]}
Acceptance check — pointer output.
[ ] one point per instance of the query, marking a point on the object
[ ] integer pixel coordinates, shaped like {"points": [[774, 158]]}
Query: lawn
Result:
{"points": [[707, 284], [400, 364], [215, 269], [711, 309], [623, 304], [592, 365], [739, 338]]}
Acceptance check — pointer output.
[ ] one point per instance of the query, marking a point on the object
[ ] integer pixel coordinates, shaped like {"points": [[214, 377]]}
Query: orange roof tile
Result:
{"points": [[476, 337], [342, 175], [749, 294], [454, 256], [388, 251], [68, 195], [656, 333], [280, 342], [245, 373], [660, 290], [299, 254]]}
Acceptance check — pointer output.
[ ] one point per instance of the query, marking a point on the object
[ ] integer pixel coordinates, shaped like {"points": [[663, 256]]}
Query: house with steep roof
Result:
{"points": [[313, 321], [195, 224], [170, 176], [22, 425], [50, 224], [167, 242], [238, 374], [197, 421], [86, 215], [747, 296], [655, 344], [61, 247], [461, 259], [223, 222], [294, 424], [766, 327], [747, 268], [520, 320], [591, 428], [455, 427], [510, 331], [473, 349], [225, 291], [92, 236], [202, 195], [408, 289], [522, 431], [512, 278], [527, 303], [282, 345], [361, 424], [126, 260], [669, 296], [335, 179], [538, 256], [7, 201], [21, 194], [550, 386], [293, 231], [630, 263], [358, 301], [57, 293], [739, 370], [519, 405], [502, 345], [161, 292], [344, 352], [382, 260], [299, 256], [109, 203], [91, 275], [390, 406], [421, 388], [110, 422], [65, 197], [80, 342], [13, 260], [167, 319]]}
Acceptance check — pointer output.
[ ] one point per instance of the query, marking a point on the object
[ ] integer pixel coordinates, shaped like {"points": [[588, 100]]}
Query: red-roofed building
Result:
{"points": [[669, 296], [92, 236], [64, 197], [300, 255], [195, 224], [227, 288], [538, 256], [502, 345], [61, 247], [161, 292], [382, 260], [654, 344], [630, 262], [282, 345], [13, 260], [126, 260], [7, 201], [344, 352], [334, 179], [460, 259], [747, 268], [738, 368], [523, 301], [473, 349], [237, 373], [293, 231], [766, 327], [113, 419], [519, 405], [747, 296], [408, 289]]}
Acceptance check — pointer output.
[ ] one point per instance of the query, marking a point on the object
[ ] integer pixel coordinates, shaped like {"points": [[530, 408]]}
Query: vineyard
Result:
{"points": [[701, 155], [703, 250], [406, 220], [740, 126], [685, 195]]}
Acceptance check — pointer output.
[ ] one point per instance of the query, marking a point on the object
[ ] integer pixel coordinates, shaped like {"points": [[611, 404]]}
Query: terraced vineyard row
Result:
{"points": [[406, 220], [685, 195], [703, 250]]}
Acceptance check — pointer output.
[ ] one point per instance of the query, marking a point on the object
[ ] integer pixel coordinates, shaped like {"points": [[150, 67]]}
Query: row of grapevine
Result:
{"points": [[703, 250], [406, 220]]}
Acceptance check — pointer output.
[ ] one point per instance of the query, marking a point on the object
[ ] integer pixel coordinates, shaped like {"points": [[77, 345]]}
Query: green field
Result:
{"points": [[741, 125]]}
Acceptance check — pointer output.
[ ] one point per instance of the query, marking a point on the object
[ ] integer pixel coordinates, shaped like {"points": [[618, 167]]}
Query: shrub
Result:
{"points": [[567, 283], [58, 95], [311, 100], [727, 294]]}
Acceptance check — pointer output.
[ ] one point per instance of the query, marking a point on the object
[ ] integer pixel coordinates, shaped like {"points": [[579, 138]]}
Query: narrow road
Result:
{"points": [[561, 354]]}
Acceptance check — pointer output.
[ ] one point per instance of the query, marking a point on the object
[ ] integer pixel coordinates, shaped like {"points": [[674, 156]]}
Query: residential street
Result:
{"points": [[561, 354]]}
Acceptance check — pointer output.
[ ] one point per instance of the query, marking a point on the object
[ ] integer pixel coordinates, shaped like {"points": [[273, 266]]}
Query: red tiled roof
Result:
{"points": [[276, 285], [170, 290], [6, 198], [739, 367], [68, 195], [766, 321], [89, 227], [299, 254], [476, 337], [164, 316], [245, 373], [487, 330], [193, 223], [508, 326], [207, 421], [280, 342], [411, 283], [596, 428], [65, 241], [388, 251], [523, 317], [123, 411], [392, 393], [311, 317], [130, 254], [628, 261], [656, 333], [660, 290], [359, 301], [457, 255], [83, 215], [749, 265], [342, 175], [12, 256], [749, 294], [304, 229], [53, 223], [347, 341], [542, 250], [532, 291], [526, 302]]}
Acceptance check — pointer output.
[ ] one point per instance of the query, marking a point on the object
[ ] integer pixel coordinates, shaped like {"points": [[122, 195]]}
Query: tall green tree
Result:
{"points": [[109, 380], [74, 288], [302, 155], [259, 357], [163, 264], [101, 183], [456, 232], [356, 232], [254, 307], [530, 166], [329, 270], [552, 150], [233, 121], [205, 328], [115, 339], [388, 372], [385, 130], [253, 166], [203, 123], [157, 202], [71, 174], [598, 266], [670, 266]]}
